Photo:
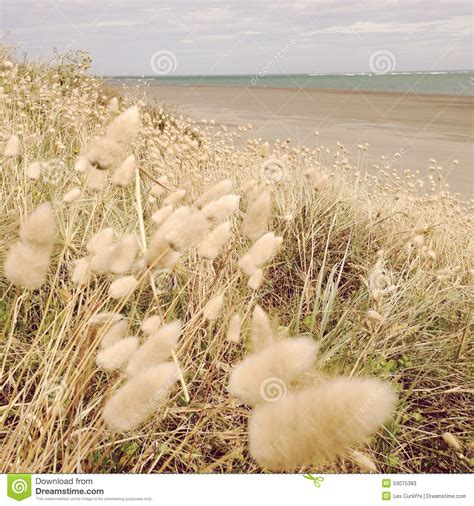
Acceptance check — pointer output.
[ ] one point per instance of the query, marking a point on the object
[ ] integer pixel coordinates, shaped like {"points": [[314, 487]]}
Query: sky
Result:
{"points": [[182, 37]]}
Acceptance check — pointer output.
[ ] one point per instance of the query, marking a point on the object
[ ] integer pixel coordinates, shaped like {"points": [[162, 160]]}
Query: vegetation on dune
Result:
{"points": [[175, 295]]}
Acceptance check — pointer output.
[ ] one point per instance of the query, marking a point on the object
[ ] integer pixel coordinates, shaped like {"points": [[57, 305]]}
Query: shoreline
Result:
{"points": [[419, 127], [112, 82]]}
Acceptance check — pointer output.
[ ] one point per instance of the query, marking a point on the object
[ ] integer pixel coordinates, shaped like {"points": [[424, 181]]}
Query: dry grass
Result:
{"points": [[52, 393]]}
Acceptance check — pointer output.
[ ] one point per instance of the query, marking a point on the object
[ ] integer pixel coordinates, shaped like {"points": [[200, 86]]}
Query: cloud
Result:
{"points": [[330, 35], [459, 25]]}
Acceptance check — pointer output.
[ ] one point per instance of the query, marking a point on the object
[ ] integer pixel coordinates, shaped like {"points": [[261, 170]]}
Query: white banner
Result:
{"points": [[238, 490]]}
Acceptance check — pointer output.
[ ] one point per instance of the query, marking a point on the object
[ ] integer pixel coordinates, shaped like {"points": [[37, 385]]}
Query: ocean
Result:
{"points": [[447, 83]]}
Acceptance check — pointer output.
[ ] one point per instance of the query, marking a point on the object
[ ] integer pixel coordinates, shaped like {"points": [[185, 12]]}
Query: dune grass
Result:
{"points": [[338, 217]]}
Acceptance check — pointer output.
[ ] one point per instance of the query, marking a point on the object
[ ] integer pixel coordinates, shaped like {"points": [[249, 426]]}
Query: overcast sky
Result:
{"points": [[127, 37]]}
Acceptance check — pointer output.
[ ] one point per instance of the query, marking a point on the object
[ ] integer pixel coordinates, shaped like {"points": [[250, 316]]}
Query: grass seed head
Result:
{"points": [[268, 373], [263, 250], [211, 246], [115, 333], [141, 395], [123, 287], [326, 420], [100, 240], [233, 331], [12, 147], [123, 255], [156, 349], [213, 308], [125, 127], [116, 355], [34, 170], [255, 280], [27, 265], [125, 173], [256, 219], [72, 195], [39, 227], [151, 325], [160, 216], [215, 192], [81, 272], [220, 209]]}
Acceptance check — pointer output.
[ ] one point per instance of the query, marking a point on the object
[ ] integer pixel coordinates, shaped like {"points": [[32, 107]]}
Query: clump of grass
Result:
{"points": [[348, 277]]}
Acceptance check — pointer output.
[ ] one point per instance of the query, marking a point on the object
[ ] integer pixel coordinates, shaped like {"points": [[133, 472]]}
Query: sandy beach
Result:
{"points": [[419, 127]]}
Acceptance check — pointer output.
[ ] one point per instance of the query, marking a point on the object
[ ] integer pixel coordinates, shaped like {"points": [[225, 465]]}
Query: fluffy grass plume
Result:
{"points": [[266, 373], [12, 147], [27, 265], [34, 170], [123, 287], [123, 255], [219, 210], [314, 425], [211, 245], [190, 231], [125, 127], [104, 318], [117, 354], [233, 331], [174, 198], [261, 334], [261, 252], [115, 333], [213, 308], [100, 240], [124, 174], [160, 216], [214, 193], [28, 260], [81, 272], [151, 324], [156, 349], [72, 195], [257, 216], [139, 397], [39, 227]]}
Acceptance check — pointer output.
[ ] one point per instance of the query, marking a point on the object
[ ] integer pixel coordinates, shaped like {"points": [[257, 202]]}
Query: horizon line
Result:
{"points": [[310, 74]]}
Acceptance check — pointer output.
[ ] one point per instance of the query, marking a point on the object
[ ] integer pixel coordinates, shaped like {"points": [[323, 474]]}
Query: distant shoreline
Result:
{"points": [[308, 90], [441, 83], [419, 126]]}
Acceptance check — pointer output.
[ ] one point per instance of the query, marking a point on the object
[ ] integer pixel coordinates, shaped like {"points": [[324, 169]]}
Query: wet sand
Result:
{"points": [[419, 127]]}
